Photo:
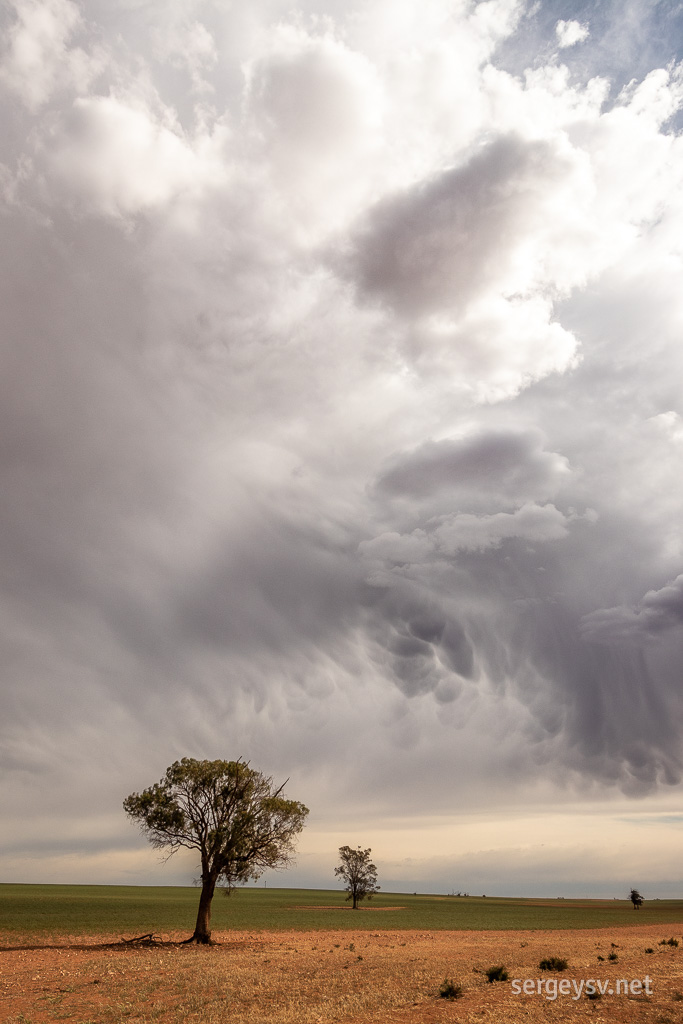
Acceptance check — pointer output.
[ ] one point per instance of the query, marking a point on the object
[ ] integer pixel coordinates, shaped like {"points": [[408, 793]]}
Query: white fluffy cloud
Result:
{"points": [[569, 33], [38, 59], [111, 157], [314, 108]]}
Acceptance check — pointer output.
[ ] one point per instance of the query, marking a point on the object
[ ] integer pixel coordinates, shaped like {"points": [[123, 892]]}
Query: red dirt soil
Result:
{"points": [[355, 977]]}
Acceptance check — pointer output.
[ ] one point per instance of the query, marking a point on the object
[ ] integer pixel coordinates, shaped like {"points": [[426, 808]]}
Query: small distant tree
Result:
{"points": [[233, 816], [636, 899], [359, 874]]}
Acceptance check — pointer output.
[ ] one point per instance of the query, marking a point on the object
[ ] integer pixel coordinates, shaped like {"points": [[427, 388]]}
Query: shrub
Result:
{"points": [[613, 956], [497, 973], [649, 949], [553, 963], [450, 990], [669, 942]]}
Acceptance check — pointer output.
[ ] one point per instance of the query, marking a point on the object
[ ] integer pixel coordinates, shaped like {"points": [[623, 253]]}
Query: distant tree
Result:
{"points": [[358, 873], [636, 899], [233, 816]]}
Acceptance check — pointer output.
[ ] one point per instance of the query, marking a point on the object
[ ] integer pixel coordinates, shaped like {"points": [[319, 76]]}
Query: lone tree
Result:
{"points": [[359, 874], [636, 899], [235, 818]]}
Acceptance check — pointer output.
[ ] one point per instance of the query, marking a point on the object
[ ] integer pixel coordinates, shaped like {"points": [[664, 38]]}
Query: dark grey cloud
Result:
{"points": [[502, 467], [421, 641], [444, 242]]}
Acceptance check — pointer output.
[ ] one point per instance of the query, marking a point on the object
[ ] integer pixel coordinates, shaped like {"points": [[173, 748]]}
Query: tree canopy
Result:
{"points": [[359, 874], [232, 815], [636, 899]]}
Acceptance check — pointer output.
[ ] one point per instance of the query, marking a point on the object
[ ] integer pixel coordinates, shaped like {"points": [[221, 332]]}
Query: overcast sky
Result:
{"points": [[341, 429]]}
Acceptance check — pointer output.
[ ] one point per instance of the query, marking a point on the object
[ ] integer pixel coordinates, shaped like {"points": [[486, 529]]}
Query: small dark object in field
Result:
{"points": [[613, 956], [553, 963], [450, 990], [143, 940], [649, 949], [497, 973], [677, 997], [601, 958], [593, 995], [669, 942]]}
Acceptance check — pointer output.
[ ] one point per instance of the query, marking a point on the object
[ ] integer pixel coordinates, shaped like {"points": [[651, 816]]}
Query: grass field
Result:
{"points": [[28, 910]]}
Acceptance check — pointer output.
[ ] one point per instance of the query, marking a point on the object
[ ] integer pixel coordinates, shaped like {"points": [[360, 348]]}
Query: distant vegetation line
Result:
{"points": [[62, 910]]}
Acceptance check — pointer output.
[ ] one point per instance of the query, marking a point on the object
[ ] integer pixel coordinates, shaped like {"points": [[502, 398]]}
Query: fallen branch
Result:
{"points": [[148, 939]]}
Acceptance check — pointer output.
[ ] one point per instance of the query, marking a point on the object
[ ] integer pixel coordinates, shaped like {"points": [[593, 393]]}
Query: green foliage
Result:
{"points": [[553, 963], [450, 990], [227, 811], [497, 973], [636, 899], [358, 873]]}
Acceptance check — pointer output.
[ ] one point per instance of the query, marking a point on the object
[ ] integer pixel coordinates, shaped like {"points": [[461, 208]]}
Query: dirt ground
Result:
{"points": [[350, 977]]}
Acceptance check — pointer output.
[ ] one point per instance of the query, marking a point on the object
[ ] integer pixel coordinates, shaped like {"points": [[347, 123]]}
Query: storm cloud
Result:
{"points": [[340, 415]]}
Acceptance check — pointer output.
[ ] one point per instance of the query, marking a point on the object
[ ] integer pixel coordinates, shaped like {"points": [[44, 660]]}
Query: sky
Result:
{"points": [[341, 431]]}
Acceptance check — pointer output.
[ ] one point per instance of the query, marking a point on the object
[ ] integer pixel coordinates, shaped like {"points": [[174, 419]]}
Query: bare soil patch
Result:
{"points": [[335, 906], [351, 977]]}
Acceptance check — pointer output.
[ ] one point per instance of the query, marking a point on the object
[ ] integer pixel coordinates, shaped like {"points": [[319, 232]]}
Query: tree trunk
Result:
{"points": [[202, 929], [355, 901]]}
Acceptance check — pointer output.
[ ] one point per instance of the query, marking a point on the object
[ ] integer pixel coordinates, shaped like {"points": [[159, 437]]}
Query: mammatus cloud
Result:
{"points": [[340, 409]]}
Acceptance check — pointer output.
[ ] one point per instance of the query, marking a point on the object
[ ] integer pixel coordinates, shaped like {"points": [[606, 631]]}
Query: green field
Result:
{"points": [[132, 910]]}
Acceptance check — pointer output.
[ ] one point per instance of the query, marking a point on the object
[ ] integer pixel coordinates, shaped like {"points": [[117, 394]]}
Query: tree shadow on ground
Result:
{"points": [[149, 941]]}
